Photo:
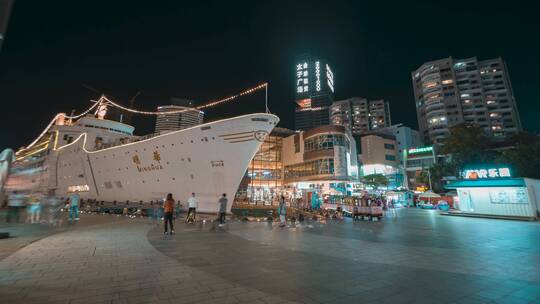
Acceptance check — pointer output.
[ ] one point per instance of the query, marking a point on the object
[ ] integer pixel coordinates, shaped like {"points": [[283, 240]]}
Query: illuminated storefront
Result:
{"points": [[320, 165], [264, 177], [417, 161], [492, 190]]}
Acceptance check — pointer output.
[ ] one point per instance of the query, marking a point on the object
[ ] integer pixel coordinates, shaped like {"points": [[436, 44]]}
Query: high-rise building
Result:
{"points": [[453, 91], [187, 116], [360, 115], [314, 92], [5, 10]]}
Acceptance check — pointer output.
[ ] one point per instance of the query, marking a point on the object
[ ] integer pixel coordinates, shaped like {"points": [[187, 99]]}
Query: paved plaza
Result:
{"points": [[418, 257]]}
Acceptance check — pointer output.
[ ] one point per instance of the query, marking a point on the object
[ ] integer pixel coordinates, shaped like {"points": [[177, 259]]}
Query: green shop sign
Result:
{"points": [[420, 150]]}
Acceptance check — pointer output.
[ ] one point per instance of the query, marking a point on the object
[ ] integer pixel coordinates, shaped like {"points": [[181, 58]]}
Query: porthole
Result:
{"points": [[163, 146], [167, 163], [172, 145], [213, 138], [191, 141], [189, 159], [173, 178]]}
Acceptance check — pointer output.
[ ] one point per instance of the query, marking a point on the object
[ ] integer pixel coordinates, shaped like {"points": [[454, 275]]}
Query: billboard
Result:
{"points": [[313, 77]]}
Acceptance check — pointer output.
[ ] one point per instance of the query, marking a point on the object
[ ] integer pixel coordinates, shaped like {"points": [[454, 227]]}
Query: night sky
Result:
{"points": [[55, 50]]}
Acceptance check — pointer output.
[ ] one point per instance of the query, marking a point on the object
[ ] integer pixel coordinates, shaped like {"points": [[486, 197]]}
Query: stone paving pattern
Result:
{"points": [[418, 257]]}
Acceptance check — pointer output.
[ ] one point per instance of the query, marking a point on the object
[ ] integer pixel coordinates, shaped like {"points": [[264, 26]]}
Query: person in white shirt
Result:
{"points": [[192, 204]]}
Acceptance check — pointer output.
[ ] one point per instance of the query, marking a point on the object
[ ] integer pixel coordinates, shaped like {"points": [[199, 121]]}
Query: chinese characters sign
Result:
{"points": [[313, 77], [318, 76], [420, 150], [484, 173], [302, 81], [330, 78]]}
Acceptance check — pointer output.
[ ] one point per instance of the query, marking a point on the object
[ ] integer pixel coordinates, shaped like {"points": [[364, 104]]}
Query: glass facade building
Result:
{"points": [[263, 181]]}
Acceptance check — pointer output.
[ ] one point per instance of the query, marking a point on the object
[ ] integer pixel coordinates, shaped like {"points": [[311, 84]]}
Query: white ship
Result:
{"points": [[103, 161]]}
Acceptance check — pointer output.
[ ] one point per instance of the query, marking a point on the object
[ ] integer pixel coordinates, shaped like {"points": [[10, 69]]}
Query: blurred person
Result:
{"points": [[178, 210], [168, 208], [52, 206], [356, 211], [152, 219], [15, 203], [282, 211], [74, 201], [34, 209], [192, 204], [222, 209]]}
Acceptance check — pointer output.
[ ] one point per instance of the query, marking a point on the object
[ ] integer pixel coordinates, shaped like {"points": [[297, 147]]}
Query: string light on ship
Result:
{"points": [[205, 106], [103, 101]]}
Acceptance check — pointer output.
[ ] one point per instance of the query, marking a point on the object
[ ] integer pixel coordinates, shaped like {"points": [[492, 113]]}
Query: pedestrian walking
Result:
{"points": [[154, 219], [282, 211], [178, 210], [15, 203], [222, 209], [168, 208], [34, 209], [192, 204], [74, 201]]}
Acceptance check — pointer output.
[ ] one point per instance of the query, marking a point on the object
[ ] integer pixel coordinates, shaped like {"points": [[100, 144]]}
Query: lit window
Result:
{"points": [[430, 84], [448, 81], [465, 95], [490, 102]]}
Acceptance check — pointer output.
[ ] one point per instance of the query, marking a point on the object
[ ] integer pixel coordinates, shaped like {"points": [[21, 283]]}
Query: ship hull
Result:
{"points": [[208, 159]]}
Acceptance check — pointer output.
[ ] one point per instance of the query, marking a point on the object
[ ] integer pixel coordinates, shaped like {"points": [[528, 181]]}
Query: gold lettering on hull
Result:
{"points": [[152, 167]]}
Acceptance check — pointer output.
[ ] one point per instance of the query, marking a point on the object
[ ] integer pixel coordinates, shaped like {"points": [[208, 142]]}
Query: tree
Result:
{"points": [[525, 157], [375, 180], [468, 144], [422, 178], [440, 170]]}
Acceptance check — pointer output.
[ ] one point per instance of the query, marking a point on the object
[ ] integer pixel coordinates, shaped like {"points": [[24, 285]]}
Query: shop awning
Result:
{"points": [[496, 182]]}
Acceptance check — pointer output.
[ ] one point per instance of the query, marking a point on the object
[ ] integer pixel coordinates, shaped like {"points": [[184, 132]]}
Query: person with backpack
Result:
{"points": [[168, 208]]}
